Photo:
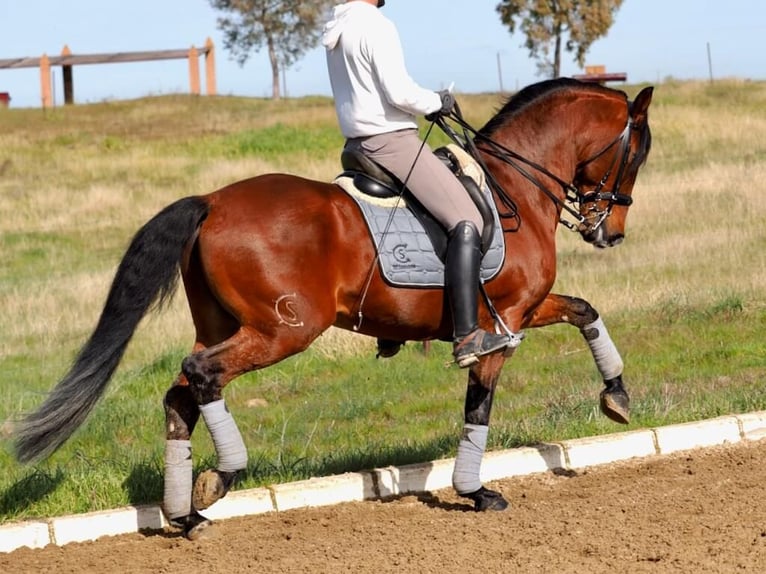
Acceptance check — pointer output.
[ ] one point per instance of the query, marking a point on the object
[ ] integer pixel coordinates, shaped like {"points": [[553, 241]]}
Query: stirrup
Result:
{"points": [[470, 348]]}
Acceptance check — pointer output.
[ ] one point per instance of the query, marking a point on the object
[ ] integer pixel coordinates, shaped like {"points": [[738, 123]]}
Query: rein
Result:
{"points": [[572, 194]]}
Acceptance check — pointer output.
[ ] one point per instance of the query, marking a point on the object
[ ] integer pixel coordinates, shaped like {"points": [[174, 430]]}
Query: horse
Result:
{"points": [[271, 262]]}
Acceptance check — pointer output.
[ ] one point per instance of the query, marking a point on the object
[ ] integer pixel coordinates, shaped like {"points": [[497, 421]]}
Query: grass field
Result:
{"points": [[683, 296]]}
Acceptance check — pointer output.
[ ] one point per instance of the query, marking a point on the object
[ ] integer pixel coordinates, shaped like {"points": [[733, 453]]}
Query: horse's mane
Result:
{"points": [[533, 93], [521, 100]]}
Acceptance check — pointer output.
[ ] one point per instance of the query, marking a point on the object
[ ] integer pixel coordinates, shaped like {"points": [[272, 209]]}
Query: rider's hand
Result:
{"points": [[448, 104]]}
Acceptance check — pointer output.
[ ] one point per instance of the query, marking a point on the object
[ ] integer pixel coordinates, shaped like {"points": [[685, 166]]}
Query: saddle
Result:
{"points": [[373, 179]]}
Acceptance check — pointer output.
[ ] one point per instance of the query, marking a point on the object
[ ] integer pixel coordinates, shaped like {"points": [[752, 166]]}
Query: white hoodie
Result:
{"points": [[373, 92]]}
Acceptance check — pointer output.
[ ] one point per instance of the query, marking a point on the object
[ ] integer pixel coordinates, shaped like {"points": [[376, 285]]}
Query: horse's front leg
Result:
{"points": [[614, 399], [482, 381]]}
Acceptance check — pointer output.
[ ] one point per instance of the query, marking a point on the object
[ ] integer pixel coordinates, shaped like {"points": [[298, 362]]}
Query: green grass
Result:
{"points": [[313, 416], [280, 140], [682, 297]]}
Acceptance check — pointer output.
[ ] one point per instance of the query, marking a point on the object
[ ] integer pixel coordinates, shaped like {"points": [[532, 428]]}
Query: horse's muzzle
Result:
{"points": [[599, 238]]}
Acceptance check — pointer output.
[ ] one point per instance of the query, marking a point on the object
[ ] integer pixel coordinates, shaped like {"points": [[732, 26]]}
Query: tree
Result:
{"points": [[546, 23], [288, 29]]}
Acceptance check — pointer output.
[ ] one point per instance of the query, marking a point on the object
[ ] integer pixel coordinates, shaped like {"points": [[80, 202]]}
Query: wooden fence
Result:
{"points": [[67, 61], [598, 74]]}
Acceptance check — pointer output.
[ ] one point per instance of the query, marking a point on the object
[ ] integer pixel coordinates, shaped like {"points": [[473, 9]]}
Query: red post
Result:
{"points": [[194, 71], [210, 85], [45, 81]]}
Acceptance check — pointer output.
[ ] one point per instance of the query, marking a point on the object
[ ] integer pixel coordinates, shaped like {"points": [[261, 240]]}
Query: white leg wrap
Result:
{"points": [[229, 446], [465, 476], [607, 357], [178, 478]]}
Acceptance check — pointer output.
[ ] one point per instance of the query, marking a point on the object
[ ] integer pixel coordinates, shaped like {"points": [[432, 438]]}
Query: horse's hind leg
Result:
{"points": [[207, 372], [614, 399], [482, 381], [181, 416], [199, 391]]}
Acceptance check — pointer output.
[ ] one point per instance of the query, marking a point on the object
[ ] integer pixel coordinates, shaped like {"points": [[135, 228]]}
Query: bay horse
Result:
{"points": [[271, 262]]}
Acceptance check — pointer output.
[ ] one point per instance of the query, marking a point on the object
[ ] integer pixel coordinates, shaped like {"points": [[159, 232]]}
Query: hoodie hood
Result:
{"points": [[335, 26]]}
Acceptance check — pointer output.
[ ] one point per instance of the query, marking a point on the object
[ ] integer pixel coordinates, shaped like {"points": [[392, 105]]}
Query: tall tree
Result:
{"points": [[287, 28], [551, 24]]}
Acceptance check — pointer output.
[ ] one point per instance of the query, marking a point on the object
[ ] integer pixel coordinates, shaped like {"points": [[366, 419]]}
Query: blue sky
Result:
{"points": [[650, 40]]}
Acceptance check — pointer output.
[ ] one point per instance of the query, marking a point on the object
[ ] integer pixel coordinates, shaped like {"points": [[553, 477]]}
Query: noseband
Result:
{"points": [[596, 212]]}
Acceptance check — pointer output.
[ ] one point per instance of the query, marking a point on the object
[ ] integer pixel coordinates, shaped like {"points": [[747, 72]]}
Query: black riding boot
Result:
{"points": [[461, 283]]}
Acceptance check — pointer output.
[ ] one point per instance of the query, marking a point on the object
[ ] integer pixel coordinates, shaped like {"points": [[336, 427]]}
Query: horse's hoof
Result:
{"points": [[485, 499], [615, 403], [210, 487], [196, 526]]}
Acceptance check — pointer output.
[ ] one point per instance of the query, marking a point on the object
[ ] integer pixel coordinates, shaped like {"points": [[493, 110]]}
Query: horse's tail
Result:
{"points": [[146, 277]]}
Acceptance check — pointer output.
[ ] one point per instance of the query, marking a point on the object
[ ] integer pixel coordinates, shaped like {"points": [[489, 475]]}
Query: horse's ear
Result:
{"points": [[640, 106]]}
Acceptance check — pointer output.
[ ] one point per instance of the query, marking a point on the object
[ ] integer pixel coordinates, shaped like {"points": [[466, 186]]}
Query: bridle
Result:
{"points": [[473, 142], [596, 216]]}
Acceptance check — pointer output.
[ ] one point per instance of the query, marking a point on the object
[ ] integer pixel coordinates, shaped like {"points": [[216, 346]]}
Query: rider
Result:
{"points": [[377, 102]]}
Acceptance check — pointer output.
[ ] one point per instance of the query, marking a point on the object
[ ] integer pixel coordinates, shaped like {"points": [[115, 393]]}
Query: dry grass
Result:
{"points": [[696, 230], [704, 241], [90, 176], [93, 174]]}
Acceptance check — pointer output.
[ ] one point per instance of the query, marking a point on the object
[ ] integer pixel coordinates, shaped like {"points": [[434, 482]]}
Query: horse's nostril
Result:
{"points": [[616, 240]]}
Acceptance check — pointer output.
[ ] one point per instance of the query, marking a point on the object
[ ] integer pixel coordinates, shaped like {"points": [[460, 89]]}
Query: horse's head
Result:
{"points": [[583, 146], [609, 173]]}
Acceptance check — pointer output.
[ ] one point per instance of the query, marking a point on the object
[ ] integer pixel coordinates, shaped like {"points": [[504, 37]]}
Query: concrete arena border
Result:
{"points": [[391, 481]]}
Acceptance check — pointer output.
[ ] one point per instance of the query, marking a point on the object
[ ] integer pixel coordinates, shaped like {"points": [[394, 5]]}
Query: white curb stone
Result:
{"points": [[753, 425], [415, 477], [611, 448], [90, 526], [384, 482], [241, 503], [686, 436], [32, 534], [521, 461], [323, 491], [150, 517]]}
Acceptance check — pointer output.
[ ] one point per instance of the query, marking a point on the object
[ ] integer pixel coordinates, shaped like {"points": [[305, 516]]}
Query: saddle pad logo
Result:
{"points": [[401, 258]]}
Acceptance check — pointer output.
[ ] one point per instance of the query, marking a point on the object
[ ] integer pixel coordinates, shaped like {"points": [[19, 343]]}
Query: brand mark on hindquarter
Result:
{"points": [[286, 309]]}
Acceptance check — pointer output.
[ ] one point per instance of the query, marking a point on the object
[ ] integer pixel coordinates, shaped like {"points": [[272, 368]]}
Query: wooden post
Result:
{"points": [[210, 88], [68, 80], [45, 81], [194, 71]]}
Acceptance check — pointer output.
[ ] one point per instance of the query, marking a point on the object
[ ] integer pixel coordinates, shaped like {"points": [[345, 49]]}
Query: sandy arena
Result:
{"points": [[697, 512]]}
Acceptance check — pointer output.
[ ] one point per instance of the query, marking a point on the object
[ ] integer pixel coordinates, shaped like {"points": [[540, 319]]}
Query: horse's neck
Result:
{"points": [[557, 148], [522, 180]]}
